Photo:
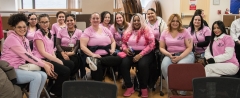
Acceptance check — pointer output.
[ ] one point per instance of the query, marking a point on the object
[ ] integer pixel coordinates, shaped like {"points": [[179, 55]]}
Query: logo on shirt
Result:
{"points": [[180, 38], [220, 45], [201, 34], [156, 29]]}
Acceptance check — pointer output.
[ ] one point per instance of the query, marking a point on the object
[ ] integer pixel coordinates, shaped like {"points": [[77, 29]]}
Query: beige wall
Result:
{"points": [[90, 6]]}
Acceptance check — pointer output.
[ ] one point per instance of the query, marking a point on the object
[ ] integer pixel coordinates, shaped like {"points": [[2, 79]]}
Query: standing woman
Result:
{"points": [[56, 27], [201, 35], [32, 28], [176, 45], [98, 44], [220, 56], [68, 44], [106, 19], [16, 52], [43, 48], [138, 43]]}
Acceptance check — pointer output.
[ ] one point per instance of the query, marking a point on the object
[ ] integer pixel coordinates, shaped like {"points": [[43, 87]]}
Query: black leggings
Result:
{"points": [[105, 61], [143, 66], [63, 72]]}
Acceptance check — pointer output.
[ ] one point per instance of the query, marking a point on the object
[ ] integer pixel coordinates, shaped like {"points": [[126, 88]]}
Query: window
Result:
{"points": [[27, 4], [44, 4]]}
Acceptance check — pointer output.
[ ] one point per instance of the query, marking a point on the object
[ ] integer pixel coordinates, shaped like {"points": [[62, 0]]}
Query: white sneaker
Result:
{"points": [[183, 93], [92, 62]]}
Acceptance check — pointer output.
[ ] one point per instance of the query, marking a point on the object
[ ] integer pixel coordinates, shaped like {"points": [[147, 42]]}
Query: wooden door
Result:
{"points": [[187, 13]]}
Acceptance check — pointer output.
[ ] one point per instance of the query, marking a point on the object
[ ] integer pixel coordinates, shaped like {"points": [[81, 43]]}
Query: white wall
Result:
{"points": [[213, 16]]}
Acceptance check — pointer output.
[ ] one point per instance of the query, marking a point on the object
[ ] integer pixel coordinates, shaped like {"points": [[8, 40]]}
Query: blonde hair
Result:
{"points": [[180, 28]]}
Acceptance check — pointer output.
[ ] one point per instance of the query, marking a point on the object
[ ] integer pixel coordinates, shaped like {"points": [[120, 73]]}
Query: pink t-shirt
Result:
{"points": [[109, 25], [219, 46], [56, 28], [65, 38], [23, 53], [177, 44], [116, 35], [201, 34], [155, 29], [48, 44], [30, 35], [96, 39]]}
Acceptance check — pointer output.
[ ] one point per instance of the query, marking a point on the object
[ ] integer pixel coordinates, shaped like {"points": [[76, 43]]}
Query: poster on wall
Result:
{"points": [[192, 4]]}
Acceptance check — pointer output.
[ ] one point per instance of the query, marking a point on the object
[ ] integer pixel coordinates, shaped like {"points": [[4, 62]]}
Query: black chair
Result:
{"points": [[88, 89], [216, 87]]}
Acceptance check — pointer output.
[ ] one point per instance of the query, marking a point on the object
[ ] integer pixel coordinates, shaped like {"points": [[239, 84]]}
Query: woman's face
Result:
{"points": [[202, 14], [119, 19], [136, 23], [21, 28], [44, 23], [95, 19], [70, 22], [32, 20], [217, 31], [197, 21], [175, 23], [61, 18], [151, 15], [107, 19]]}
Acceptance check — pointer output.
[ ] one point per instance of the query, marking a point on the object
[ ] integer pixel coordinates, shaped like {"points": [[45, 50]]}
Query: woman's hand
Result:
{"points": [[111, 51], [70, 53], [176, 59], [65, 56], [96, 56], [128, 52], [49, 69], [137, 57]]}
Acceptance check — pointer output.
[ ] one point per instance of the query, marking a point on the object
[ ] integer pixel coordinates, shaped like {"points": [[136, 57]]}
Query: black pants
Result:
{"points": [[237, 51], [143, 66], [105, 61], [63, 72], [77, 64]]}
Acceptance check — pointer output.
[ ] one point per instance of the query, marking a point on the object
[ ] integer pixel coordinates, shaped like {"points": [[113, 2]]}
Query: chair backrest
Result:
{"points": [[180, 75], [88, 89], [216, 87]]}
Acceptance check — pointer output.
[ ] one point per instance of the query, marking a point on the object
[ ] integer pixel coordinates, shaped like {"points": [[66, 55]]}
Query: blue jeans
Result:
{"points": [[167, 61], [36, 79]]}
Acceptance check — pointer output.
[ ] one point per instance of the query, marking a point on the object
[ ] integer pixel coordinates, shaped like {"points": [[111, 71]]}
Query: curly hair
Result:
{"points": [[16, 18]]}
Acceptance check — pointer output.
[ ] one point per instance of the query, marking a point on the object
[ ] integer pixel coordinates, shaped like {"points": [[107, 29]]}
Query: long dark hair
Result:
{"points": [[221, 27], [198, 11], [41, 29], [192, 25], [103, 14], [29, 15]]}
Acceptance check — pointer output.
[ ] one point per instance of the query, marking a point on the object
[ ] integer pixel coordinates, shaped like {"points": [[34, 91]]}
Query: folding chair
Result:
{"points": [[216, 87], [180, 77], [88, 89]]}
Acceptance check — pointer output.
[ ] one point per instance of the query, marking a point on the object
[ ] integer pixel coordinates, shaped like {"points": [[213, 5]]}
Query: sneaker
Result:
{"points": [[128, 92], [92, 62], [183, 93], [144, 93]]}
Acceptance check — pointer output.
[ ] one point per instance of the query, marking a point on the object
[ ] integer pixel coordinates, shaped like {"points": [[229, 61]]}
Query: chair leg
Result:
{"points": [[25, 92], [174, 92], [46, 92], [113, 75]]}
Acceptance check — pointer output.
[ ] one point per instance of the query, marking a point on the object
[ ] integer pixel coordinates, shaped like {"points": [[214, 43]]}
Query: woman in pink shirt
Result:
{"points": [[106, 19], [16, 52], [56, 27], [68, 44], [32, 28], [98, 44], [176, 44], [201, 35], [43, 48], [138, 43], [220, 54]]}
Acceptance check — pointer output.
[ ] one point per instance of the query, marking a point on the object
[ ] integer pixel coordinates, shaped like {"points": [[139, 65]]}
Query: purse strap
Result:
{"points": [[198, 40]]}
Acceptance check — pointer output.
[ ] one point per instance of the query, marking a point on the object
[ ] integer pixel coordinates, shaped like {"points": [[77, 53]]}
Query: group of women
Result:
{"points": [[102, 43]]}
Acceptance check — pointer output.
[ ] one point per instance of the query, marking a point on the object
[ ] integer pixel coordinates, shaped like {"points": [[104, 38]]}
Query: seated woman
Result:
{"points": [[138, 43], [175, 44], [33, 26], [201, 36], [68, 44], [16, 51], [43, 48], [106, 19], [98, 44], [220, 56]]}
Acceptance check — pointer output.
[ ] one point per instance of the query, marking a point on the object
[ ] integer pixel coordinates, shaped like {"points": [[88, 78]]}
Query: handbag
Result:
{"points": [[30, 67]]}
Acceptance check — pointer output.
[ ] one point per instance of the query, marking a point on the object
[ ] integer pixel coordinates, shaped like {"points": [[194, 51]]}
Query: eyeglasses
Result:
{"points": [[20, 27], [42, 22], [33, 19]]}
